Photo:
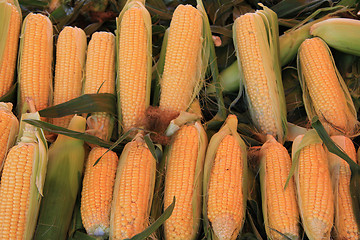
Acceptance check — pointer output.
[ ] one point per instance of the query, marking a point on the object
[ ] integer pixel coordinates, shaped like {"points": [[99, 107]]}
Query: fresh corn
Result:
{"points": [[9, 33], [100, 78], [182, 75], [97, 191], [313, 183], [134, 64], [69, 69], [133, 191], [280, 209], [345, 222], [325, 93], [225, 175], [256, 42], [184, 164], [35, 61], [22, 182]]}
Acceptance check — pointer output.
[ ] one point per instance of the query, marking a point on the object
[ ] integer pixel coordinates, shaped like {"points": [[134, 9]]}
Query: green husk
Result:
{"points": [[5, 15], [229, 128], [351, 115], [66, 160], [267, 34], [147, 20], [342, 34]]}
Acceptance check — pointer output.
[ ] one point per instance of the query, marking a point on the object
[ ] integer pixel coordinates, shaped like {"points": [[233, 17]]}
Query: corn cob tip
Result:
{"points": [[224, 226]]}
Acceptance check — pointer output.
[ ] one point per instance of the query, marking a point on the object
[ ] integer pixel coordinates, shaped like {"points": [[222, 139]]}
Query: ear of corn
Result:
{"points": [[69, 69], [257, 46], [184, 170], [66, 160], [10, 17], [97, 191], [22, 182], [133, 191], [9, 128], [183, 70], [325, 93], [35, 61], [100, 78], [134, 57], [279, 205], [225, 174], [345, 222], [313, 183]]}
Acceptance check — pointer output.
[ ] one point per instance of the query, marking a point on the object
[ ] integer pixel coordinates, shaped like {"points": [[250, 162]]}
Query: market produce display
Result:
{"points": [[137, 119]]}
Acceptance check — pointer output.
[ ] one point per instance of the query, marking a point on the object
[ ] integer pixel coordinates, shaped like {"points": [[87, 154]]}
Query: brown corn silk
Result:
{"points": [[133, 191], [69, 69], [280, 208], [345, 222]]}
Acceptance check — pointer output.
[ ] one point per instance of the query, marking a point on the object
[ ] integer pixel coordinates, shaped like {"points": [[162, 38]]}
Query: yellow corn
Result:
{"points": [[100, 78], [97, 191], [183, 56], [323, 86], [226, 212], [345, 222], [9, 56], [69, 69], [315, 196], [281, 214], [35, 77], [182, 178], [9, 126], [134, 187], [133, 66]]}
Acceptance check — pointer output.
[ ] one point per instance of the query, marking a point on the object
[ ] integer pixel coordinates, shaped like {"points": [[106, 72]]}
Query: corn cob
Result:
{"points": [[100, 78], [256, 41], [69, 69], [9, 130], [280, 209], [134, 64], [345, 222], [182, 60], [35, 61], [9, 33], [184, 164], [97, 191], [324, 92], [22, 182], [133, 191], [313, 183], [63, 179], [225, 172]]}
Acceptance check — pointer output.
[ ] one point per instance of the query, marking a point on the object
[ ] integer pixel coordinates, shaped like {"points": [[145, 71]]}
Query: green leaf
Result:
{"points": [[82, 236], [153, 227], [151, 146], [87, 103], [10, 96]]}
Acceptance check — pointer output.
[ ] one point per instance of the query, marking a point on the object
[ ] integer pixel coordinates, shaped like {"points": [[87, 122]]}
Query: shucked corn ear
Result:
{"points": [[184, 161], [100, 78], [66, 162], [134, 56], [280, 208], [256, 40], [340, 33], [22, 181], [345, 222], [10, 18], [9, 128], [225, 186], [97, 191], [313, 183], [69, 69], [185, 60], [35, 61], [133, 191], [325, 93]]}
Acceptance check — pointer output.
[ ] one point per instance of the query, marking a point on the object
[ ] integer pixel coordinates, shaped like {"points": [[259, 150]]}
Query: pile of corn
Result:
{"points": [[209, 179]]}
